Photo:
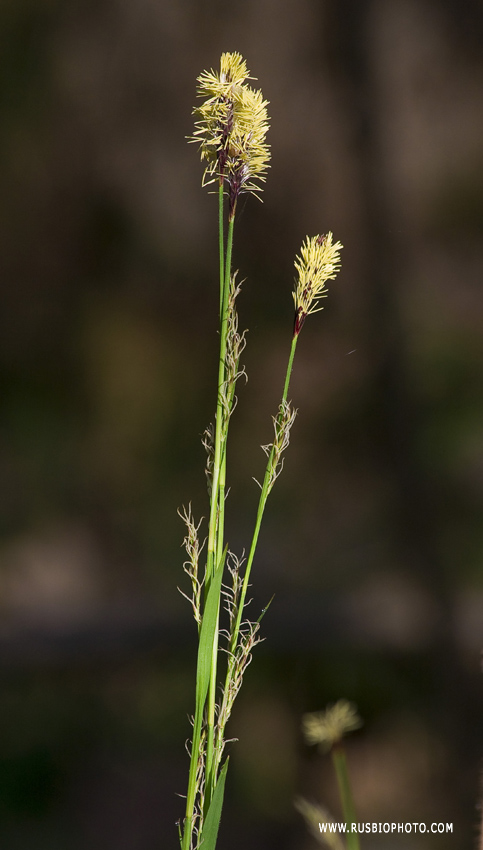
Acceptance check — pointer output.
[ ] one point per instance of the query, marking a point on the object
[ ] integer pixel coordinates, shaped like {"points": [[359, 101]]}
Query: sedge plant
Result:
{"points": [[231, 128]]}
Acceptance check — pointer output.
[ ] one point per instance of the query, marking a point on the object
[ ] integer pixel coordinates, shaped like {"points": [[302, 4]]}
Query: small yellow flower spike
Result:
{"points": [[328, 727], [231, 128], [319, 262]]}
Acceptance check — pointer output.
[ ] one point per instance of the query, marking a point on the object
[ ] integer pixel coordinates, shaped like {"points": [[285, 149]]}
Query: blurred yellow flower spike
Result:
{"points": [[328, 727]]}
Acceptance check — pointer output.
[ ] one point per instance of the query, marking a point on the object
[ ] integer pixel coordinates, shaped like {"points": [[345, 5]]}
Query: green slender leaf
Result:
{"points": [[207, 636], [212, 820]]}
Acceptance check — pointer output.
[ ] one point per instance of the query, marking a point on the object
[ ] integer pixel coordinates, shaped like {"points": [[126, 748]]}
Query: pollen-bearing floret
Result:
{"points": [[231, 128], [319, 261]]}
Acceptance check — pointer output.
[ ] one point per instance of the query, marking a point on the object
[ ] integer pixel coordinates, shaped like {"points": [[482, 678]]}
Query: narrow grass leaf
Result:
{"points": [[212, 820], [207, 636], [264, 610]]}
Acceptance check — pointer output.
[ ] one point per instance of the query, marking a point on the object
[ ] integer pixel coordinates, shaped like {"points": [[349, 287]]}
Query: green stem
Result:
{"points": [[217, 515], [261, 507], [221, 244], [225, 283], [224, 295], [219, 427], [289, 368], [213, 539], [191, 794], [251, 555], [345, 793]]}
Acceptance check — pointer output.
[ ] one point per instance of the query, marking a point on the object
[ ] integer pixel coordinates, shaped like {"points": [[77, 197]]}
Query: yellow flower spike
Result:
{"points": [[319, 261], [231, 128], [328, 727]]}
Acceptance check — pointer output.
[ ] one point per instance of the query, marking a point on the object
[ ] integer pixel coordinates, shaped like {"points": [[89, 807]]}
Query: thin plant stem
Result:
{"points": [[224, 295], [345, 793], [218, 510], [261, 506], [225, 283], [191, 793], [219, 427], [221, 243]]}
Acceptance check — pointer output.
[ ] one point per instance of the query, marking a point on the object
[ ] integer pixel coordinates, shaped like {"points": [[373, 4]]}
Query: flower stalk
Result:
{"points": [[345, 793]]}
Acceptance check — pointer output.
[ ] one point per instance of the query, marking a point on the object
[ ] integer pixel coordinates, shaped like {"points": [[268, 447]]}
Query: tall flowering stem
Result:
{"points": [[230, 129]]}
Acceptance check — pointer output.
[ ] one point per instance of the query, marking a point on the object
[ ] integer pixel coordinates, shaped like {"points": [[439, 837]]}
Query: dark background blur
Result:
{"points": [[373, 541]]}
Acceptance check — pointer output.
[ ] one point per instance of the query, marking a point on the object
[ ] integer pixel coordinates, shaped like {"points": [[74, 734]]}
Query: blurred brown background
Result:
{"points": [[373, 540]]}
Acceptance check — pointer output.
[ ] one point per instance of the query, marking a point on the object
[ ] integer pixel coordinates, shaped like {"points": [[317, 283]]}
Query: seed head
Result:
{"points": [[328, 727], [319, 261]]}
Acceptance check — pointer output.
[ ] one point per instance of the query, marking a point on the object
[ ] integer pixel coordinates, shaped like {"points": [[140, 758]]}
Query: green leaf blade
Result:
{"points": [[212, 821], [207, 636]]}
